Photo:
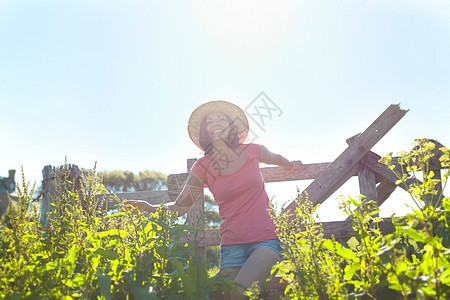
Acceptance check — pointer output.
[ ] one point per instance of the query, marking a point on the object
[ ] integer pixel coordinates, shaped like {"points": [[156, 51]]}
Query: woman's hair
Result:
{"points": [[232, 139]]}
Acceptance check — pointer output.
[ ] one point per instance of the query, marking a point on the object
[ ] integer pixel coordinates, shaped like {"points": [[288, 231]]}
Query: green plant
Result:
{"points": [[89, 253], [411, 263], [364, 271], [310, 270], [424, 271]]}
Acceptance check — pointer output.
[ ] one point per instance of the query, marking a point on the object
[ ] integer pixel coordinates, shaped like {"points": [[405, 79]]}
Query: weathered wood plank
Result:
{"points": [[343, 229], [435, 167], [320, 188], [366, 177], [435, 198], [344, 178], [68, 175], [384, 190], [175, 182], [276, 174], [434, 162], [367, 182], [371, 161]]}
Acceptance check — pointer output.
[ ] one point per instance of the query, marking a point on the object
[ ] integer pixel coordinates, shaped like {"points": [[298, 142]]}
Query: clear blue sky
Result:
{"points": [[116, 81]]}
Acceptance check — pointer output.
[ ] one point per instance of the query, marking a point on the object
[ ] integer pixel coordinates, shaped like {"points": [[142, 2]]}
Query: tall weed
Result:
{"points": [[89, 253], [310, 270], [411, 263]]}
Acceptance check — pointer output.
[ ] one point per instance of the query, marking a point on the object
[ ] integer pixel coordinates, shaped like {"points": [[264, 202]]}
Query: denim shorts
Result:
{"points": [[237, 255]]}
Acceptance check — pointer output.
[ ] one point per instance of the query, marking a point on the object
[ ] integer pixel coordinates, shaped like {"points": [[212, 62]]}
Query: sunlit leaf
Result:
{"points": [[107, 254], [414, 234]]}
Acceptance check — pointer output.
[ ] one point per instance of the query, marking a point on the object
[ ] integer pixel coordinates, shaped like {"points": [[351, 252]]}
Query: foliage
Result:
{"points": [[90, 254], [411, 263], [420, 267], [309, 269], [119, 181]]}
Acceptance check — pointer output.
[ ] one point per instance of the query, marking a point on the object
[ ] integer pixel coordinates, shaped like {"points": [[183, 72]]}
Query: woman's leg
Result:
{"points": [[229, 273], [257, 268]]}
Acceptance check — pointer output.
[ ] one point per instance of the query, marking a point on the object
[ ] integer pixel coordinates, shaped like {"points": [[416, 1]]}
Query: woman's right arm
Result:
{"points": [[191, 191]]}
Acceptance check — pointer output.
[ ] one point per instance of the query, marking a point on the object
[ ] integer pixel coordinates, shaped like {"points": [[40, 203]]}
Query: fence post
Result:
{"points": [[48, 193], [435, 167], [51, 177], [7, 186], [367, 182], [196, 213]]}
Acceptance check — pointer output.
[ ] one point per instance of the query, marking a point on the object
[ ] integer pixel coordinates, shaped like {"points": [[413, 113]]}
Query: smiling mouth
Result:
{"points": [[217, 131]]}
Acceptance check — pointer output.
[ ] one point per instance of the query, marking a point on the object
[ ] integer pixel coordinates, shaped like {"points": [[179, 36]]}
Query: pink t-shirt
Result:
{"points": [[242, 199]]}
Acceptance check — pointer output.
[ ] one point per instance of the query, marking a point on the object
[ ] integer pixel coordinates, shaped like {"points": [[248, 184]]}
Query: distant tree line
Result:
{"points": [[120, 181]]}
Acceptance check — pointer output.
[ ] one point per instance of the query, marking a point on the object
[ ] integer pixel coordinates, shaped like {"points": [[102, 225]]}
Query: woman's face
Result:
{"points": [[217, 126]]}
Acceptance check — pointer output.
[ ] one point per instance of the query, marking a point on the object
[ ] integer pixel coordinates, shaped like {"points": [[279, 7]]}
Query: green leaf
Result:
{"points": [[29, 236], [414, 234], [149, 240], [340, 250], [400, 267], [350, 271], [328, 244], [116, 215], [353, 201], [112, 232], [197, 269], [148, 228], [104, 281], [446, 203], [195, 278], [107, 254], [72, 255], [347, 253]]}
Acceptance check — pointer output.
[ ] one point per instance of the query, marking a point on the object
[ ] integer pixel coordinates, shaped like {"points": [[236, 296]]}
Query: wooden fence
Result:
{"points": [[376, 181], [7, 186]]}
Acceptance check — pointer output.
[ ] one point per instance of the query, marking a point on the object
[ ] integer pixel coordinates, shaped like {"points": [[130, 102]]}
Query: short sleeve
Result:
{"points": [[200, 169], [254, 150], [257, 149]]}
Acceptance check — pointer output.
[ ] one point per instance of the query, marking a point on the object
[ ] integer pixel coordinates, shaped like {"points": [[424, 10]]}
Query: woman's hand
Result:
{"points": [[295, 166], [268, 157], [140, 205]]}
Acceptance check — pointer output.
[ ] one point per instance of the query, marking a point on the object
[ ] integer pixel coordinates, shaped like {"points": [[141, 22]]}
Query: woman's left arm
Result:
{"points": [[271, 158]]}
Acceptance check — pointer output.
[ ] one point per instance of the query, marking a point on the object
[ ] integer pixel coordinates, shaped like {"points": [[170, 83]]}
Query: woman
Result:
{"points": [[230, 169]]}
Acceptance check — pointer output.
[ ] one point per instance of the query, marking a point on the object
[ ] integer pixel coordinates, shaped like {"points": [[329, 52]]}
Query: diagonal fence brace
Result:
{"points": [[341, 169]]}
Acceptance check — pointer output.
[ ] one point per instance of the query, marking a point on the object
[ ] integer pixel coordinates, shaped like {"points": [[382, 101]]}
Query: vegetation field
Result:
{"points": [[90, 253]]}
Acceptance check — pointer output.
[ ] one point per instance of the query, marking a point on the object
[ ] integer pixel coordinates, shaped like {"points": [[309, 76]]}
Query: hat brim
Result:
{"points": [[236, 114]]}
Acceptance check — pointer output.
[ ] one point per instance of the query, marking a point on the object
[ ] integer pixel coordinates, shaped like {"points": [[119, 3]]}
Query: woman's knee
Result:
{"points": [[230, 272]]}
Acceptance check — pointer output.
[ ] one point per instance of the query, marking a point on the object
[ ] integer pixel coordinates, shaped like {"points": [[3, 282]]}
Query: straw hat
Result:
{"points": [[233, 111]]}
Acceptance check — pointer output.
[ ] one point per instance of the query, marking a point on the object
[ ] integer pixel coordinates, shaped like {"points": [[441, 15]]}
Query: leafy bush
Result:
{"points": [[310, 270], [411, 263], [90, 254]]}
